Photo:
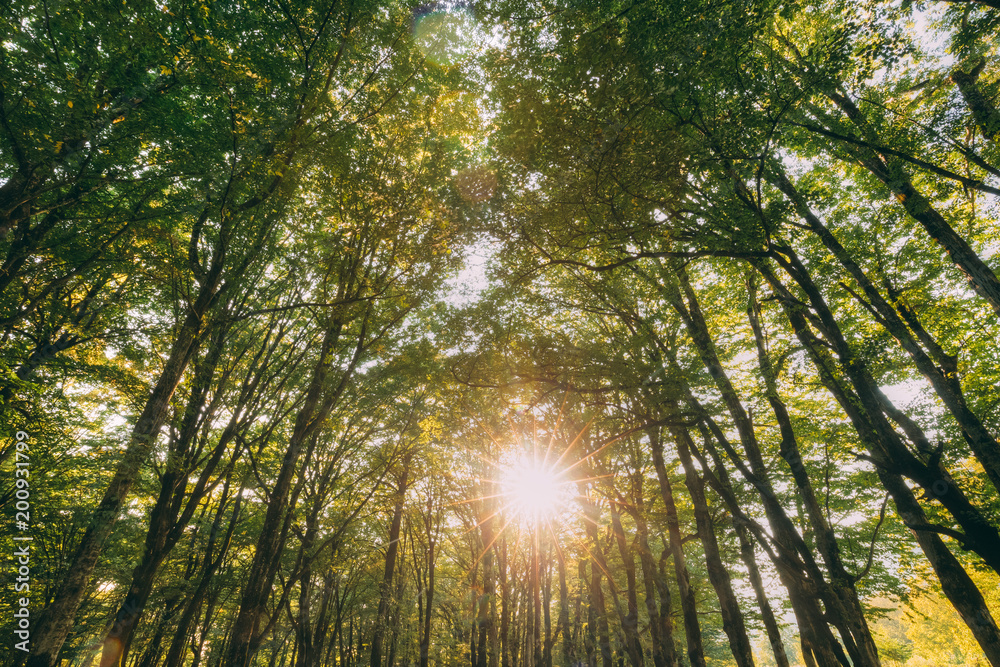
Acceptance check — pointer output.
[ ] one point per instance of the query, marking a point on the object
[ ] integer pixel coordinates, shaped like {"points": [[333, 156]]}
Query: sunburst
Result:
{"points": [[534, 491], [536, 486]]}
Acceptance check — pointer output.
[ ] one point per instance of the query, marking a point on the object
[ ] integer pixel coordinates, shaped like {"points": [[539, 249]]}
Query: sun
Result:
{"points": [[533, 491]]}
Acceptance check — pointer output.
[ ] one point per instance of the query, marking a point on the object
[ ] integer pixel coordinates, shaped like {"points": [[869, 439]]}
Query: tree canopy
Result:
{"points": [[527, 333]]}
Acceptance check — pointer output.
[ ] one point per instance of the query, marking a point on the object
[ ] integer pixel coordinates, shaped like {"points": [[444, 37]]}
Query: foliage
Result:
{"points": [[737, 323]]}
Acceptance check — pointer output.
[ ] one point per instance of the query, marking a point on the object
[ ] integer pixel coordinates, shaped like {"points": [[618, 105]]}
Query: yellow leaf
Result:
{"points": [[70, 103], [165, 71]]}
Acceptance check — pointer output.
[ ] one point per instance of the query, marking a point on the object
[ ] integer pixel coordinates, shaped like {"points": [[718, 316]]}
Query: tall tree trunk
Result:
{"points": [[893, 174], [983, 111], [484, 617], [940, 369], [549, 636], [660, 622], [392, 550], [848, 619], [568, 650], [886, 447], [211, 562], [257, 590], [803, 590], [536, 602], [428, 608], [600, 614], [166, 521], [395, 621], [766, 612], [630, 621], [732, 618], [506, 605], [598, 564], [303, 627], [473, 607], [56, 621], [692, 629], [958, 587], [590, 638], [152, 653], [963, 591], [841, 582]]}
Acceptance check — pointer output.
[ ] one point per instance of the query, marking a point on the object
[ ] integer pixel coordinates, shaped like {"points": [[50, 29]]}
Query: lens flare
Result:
{"points": [[533, 491]]}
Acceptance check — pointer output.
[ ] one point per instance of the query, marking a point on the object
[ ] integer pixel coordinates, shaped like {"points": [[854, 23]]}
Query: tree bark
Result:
{"points": [[601, 614], [887, 449], [943, 375], [893, 175], [983, 111], [732, 618], [56, 621], [766, 612], [598, 564], [507, 603], [166, 521], [431, 526], [660, 622], [958, 587], [257, 590], [630, 621], [385, 595], [963, 591], [692, 629], [849, 621], [484, 617]]}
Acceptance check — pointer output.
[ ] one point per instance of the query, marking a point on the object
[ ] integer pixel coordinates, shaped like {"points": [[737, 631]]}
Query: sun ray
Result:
{"points": [[572, 444], [537, 491]]}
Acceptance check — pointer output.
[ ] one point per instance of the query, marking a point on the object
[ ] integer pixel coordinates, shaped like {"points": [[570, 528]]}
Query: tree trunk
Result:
{"points": [[257, 590], [428, 609], [958, 587], [886, 446], [803, 591], [484, 618], [601, 614], [211, 562], [892, 173], [568, 650], [766, 613], [165, 526], [943, 375], [660, 622], [385, 595], [549, 637], [963, 590], [841, 582], [630, 621], [732, 618], [506, 605], [56, 621], [692, 630], [983, 111], [151, 654]]}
